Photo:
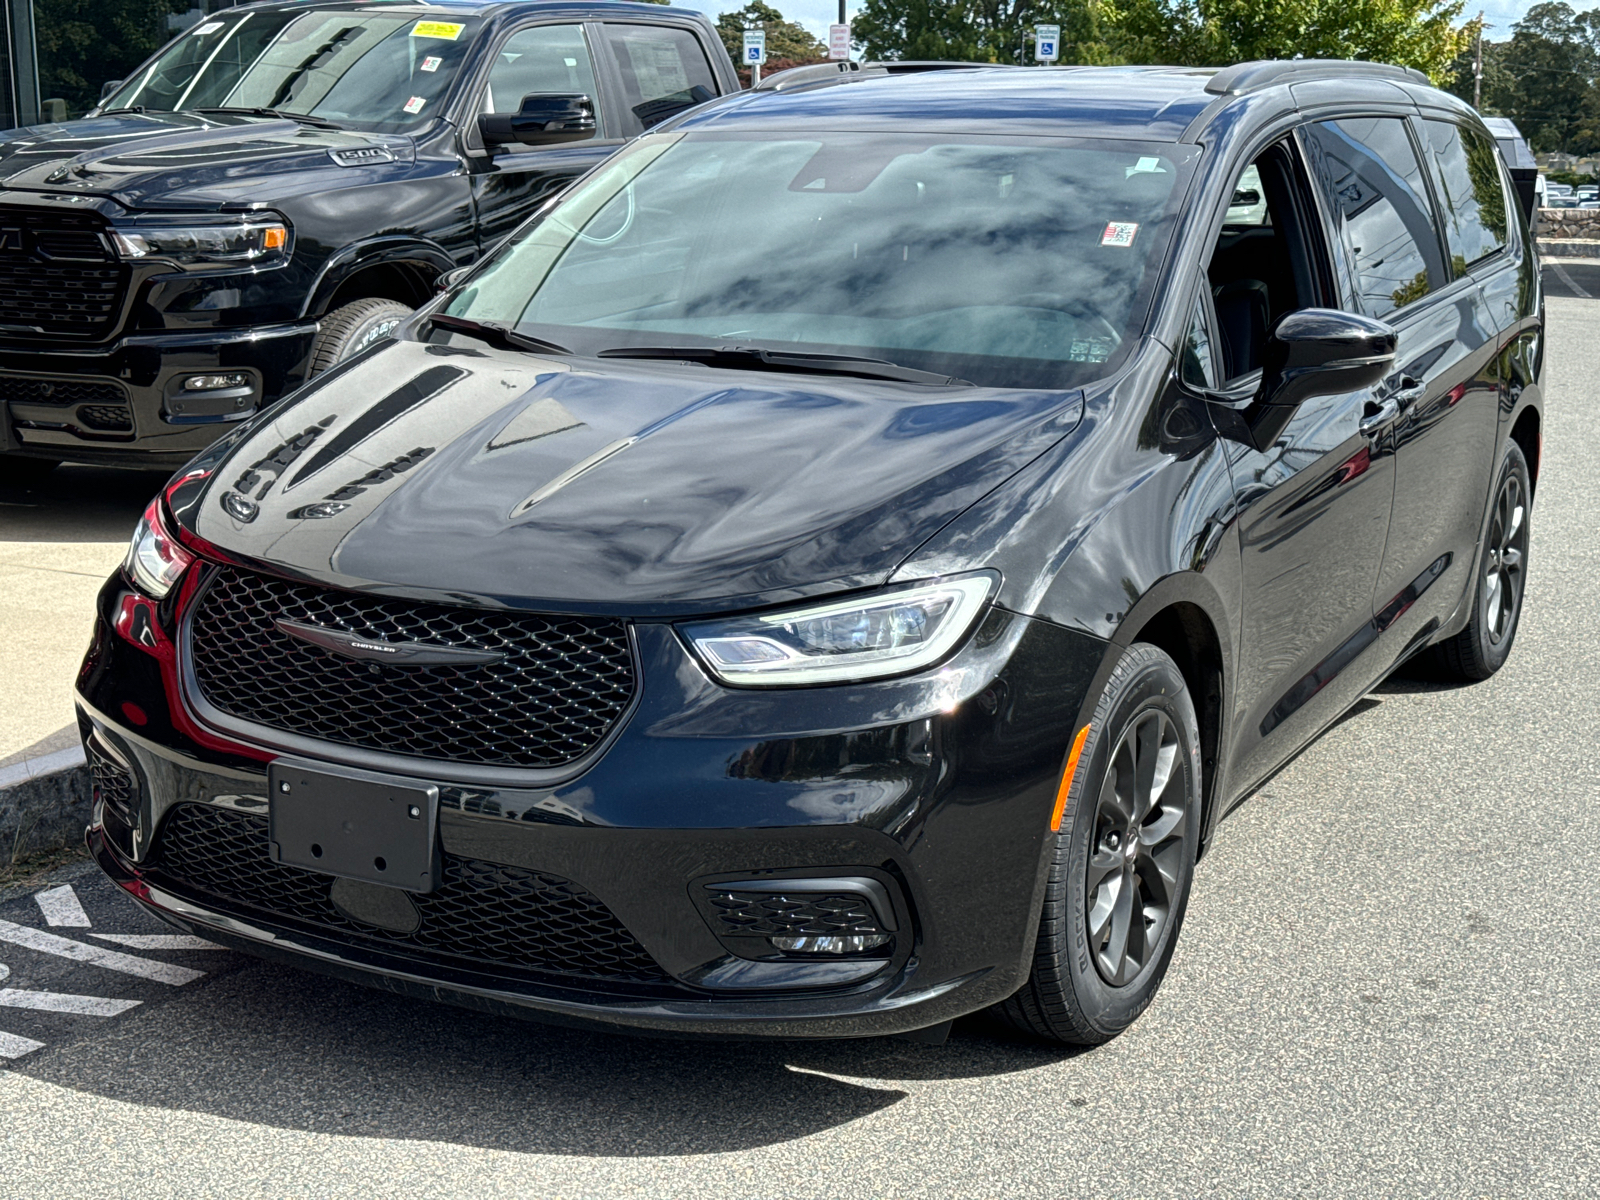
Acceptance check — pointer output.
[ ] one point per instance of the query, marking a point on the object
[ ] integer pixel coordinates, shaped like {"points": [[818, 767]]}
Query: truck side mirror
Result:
{"points": [[108, 87], [544, 119]]}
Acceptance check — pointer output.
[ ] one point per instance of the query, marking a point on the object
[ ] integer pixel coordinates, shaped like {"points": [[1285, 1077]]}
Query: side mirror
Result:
{"points": [[108, 87], [449, 279], [1244, 198], [544, 119], [1313, 352]]}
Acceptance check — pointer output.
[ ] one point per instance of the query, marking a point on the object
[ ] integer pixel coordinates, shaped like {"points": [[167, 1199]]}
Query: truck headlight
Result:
{"points": [[203, 244], [891, 632]]}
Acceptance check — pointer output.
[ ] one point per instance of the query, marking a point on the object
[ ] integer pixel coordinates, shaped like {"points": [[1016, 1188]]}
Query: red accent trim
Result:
{"points": [[134, 713], [1456, 393]]}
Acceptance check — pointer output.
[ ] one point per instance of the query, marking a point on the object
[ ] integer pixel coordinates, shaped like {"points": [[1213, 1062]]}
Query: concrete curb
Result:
{"points": [[44, 802], [1569, 247]]}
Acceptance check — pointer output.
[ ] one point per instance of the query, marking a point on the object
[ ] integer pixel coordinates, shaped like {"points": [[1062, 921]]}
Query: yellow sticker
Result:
{"points": [[437, 29]]}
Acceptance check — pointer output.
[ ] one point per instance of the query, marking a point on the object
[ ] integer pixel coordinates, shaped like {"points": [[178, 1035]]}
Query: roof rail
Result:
{"points": [[824, 74], [1246, 77]]}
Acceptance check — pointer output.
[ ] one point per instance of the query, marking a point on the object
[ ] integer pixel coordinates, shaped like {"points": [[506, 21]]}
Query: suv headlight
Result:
{"points": [[886, 633], [155, 560], [203, 243]]}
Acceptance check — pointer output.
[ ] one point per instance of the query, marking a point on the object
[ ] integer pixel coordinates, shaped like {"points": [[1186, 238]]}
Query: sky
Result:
{"points": [[817, 15]]}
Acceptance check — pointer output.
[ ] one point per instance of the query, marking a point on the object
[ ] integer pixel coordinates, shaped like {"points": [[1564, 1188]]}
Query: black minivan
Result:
{"points": [[833, 568]]}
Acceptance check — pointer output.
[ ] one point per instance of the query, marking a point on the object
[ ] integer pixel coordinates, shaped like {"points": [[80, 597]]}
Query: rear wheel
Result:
{"points": [[348, 331], [1121, 869], [1482, 648], [20, 472]]}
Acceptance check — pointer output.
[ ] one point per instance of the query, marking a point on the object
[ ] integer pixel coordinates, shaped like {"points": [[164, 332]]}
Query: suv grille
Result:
{"points": [[20, 389], [562, 685], [57, 275], [481, 911]]}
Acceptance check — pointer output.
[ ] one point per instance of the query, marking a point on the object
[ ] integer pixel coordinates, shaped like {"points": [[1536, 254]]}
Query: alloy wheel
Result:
{"points": [[1136, 861], [1508, 551]]}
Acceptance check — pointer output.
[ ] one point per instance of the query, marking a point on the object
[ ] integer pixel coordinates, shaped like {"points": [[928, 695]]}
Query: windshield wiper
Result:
{"points": [[496, 334], [300, 118], [759, 358], [132, 108]]}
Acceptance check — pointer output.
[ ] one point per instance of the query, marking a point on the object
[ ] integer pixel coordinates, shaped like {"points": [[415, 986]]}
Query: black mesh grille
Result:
{"points": [[562, 684], [107, 417], [57, 274], [481, 911], [113, 785], [23, 390], [768, 914]]}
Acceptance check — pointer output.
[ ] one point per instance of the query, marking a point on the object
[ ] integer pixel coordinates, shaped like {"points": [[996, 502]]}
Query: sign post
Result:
{"points": [[839, 42], [1047, 43], [755, 53]]}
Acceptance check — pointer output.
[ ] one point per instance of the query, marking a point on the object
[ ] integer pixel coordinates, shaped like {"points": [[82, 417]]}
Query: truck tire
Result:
{"points": [[348, 331]]}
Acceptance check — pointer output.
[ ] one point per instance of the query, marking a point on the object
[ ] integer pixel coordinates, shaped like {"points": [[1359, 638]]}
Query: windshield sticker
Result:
{"points": [[414, 105], [1118, 233], [447, 30], [1145, 166], [1091, 349], [431, 63], [208, 27]]}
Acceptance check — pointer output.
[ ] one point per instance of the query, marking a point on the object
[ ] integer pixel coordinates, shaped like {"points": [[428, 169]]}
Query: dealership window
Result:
{"points": [[1374, 192]]}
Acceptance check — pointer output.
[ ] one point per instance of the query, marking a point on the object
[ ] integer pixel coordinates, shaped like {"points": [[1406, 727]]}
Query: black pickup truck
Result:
{"points": [[278, 187]]}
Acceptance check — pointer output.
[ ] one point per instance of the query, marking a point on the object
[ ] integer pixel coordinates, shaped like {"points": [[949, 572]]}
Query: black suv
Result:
{"points": [[832, 570], [280, 186]]}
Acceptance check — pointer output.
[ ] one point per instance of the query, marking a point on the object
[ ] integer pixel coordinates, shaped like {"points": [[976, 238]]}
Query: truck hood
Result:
{"points": [[499, 477], [188, 161]]}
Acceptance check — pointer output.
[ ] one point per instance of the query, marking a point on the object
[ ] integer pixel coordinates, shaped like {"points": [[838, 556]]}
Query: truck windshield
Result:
{"points": [[1007, 262], [370, 70]]}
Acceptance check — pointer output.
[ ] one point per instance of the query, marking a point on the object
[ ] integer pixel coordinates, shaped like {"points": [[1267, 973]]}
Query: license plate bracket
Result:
{"points": [[354, 824]]}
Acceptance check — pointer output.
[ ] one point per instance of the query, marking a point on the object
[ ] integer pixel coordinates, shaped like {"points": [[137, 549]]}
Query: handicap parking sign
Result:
{"points": [[1046, 43], [755, 47]]}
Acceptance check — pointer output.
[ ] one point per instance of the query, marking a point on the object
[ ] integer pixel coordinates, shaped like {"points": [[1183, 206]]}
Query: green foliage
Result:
{"points": [[786, 40], [83, 43], [978, 30], [1544, 78]]}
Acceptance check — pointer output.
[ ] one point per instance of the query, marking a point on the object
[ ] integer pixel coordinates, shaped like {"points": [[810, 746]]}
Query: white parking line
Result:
{"points": [[12, 1046], [112, 960], [84, 1006], [60, 906], [158, 941]]}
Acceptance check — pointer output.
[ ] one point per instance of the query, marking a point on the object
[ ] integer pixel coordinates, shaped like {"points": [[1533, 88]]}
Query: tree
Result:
{"points": [[998, 31], [83, 43], [1411, 33], [1544, 78], [786, 40]]}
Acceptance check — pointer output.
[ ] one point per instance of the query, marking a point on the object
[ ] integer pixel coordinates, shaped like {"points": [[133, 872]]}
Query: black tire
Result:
{"points": [[19, 471], [1078, 992], [1482, 648], [348, 331]]}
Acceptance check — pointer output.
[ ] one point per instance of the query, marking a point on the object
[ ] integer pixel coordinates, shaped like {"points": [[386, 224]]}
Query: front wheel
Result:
{"points": [[348, 331], [1122, 865]]}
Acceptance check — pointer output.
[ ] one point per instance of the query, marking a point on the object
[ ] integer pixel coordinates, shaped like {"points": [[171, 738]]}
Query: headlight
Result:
{"points": [[155, 561], [887, 633], [199, 244]]}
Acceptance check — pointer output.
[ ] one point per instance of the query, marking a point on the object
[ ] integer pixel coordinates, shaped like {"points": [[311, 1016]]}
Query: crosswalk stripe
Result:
{"points": [[84, 1006], [60, 906], [158, 941], [99, 956], [12, 1046]]}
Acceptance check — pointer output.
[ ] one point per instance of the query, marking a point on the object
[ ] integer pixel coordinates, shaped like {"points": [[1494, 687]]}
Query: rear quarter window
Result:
{"points": [[1472, 199]]}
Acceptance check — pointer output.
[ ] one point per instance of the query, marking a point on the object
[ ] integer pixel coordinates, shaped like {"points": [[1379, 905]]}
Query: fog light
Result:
{"points": [[215, 383], [854, 943]]}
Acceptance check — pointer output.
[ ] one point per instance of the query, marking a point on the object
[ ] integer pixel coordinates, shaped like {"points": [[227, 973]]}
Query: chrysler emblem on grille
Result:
{"points": [[408, 654]]}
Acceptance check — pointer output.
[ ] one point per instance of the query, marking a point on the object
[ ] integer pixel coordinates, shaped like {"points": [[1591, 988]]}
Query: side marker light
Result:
{"points": [[1066, 778]]}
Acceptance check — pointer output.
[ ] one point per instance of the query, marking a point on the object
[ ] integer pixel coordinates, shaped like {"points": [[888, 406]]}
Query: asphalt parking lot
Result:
{"points": [[1385, 987]]}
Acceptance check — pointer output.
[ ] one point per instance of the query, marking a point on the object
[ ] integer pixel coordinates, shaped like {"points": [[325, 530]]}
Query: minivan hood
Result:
{"points": [[499, 477], [185, 160]]}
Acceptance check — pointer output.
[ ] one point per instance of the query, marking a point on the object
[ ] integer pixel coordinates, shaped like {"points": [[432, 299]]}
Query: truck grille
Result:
{"points": [[57, 274], [482, 912], [562, 684]]}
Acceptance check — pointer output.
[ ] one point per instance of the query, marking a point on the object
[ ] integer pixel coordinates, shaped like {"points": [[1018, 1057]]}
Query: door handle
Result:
{"points": [[1410, 391], [1375, 415]]}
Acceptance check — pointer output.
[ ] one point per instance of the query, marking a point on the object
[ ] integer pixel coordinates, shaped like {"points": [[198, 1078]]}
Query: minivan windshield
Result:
{"points": [[360, 67], [1006, 262]]}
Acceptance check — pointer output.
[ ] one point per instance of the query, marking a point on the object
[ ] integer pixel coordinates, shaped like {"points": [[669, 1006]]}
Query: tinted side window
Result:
{"points": [[548, 58], [1196, 366], [1466, 174], [1382, 220], [660, 70]]}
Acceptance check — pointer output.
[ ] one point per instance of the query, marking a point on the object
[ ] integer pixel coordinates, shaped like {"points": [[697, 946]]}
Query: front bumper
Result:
{"points": [[939, 785], [124, 404]]}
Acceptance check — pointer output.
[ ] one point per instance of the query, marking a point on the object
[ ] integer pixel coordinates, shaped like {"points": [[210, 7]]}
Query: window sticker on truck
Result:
{"points": [[431, 63], [447, 30], [414, 105]]}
